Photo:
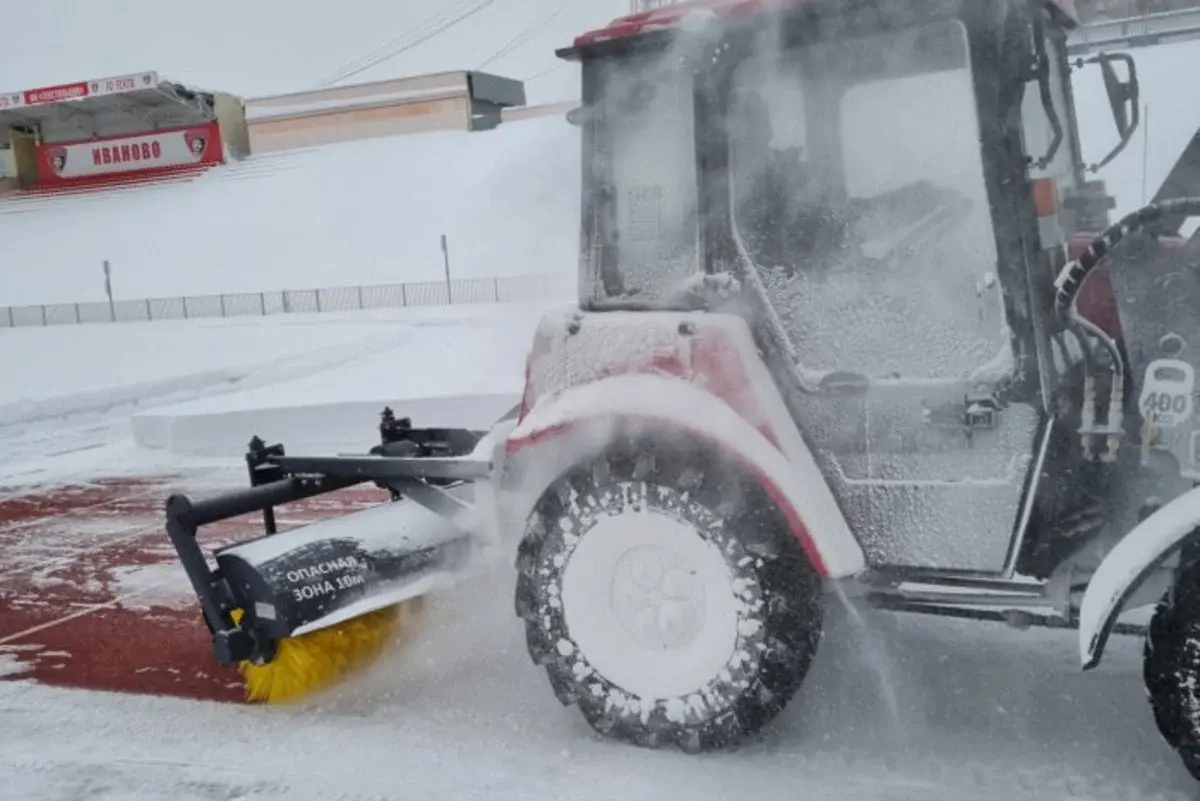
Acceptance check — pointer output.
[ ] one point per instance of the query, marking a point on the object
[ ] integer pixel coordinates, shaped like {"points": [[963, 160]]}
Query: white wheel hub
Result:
{"points": [[657, 597], [650, 604]]}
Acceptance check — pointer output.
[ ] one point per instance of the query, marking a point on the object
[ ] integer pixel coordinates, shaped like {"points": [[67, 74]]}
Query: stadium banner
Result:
{"points": [[79, 90], [68, 162]]}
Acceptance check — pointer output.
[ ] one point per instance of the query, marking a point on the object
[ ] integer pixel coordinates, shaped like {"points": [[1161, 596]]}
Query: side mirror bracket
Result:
{"points": [[1123, 99]]}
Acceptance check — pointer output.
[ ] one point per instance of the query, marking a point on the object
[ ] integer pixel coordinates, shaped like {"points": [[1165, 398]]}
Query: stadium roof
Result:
{"points": [[102, 106]]}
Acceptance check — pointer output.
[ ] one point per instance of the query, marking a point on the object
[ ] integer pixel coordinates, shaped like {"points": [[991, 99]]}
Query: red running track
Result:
{"points": [[91, 594]]}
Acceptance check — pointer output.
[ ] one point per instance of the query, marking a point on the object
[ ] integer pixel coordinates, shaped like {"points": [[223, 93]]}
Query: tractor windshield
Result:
{"points": [[858, 193]]}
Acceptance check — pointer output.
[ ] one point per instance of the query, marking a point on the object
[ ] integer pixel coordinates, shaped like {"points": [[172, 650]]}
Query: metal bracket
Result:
{"points": [[980, 411]]}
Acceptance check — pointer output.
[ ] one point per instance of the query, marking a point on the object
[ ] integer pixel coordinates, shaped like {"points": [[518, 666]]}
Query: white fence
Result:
{"points": [[509, 289]]}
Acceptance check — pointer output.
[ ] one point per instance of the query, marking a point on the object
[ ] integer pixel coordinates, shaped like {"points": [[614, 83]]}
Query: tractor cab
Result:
{"points": [[804, 135], [922, 152], [896, 188]]}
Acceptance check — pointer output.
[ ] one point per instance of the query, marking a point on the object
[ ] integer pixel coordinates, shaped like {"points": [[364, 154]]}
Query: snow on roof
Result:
{"points": [[671, 16], [101, 106], [79, 90]]}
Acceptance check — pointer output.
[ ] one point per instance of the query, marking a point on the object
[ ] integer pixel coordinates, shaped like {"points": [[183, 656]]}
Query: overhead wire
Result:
{"points": [[399, 45], [439, 23], [527, 33], [545, 71], [397, 41], [428, 27]]}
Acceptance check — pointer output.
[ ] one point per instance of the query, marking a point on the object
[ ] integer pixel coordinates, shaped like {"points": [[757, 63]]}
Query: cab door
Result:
{"points": [[890, 292]]}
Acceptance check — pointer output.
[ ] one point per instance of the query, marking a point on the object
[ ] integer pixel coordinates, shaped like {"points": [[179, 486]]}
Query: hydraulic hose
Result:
{"points": [[1070, 280], [1072, 276]]}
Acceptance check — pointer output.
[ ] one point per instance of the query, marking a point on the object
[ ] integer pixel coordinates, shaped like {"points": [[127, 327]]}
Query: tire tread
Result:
{"points": [[790, 587]]}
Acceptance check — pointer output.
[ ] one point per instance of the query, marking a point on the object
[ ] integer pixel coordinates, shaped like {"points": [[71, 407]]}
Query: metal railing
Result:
{"points": [[1166, 27], [508, 289]]}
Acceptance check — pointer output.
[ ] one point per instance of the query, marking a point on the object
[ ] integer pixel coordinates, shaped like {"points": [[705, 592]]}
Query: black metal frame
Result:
{"points": [[408, 461], [1016, 619]]}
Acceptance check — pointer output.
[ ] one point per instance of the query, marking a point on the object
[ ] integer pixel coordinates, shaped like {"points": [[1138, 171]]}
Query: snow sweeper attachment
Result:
{"points": [[296, 610]]}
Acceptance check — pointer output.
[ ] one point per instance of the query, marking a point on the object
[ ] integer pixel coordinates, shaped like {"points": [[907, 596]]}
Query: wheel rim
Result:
{"points": [[649, 601]]}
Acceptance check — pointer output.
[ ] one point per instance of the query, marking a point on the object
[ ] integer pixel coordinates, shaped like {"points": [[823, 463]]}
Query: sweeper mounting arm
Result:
{"points": [[420, 467]]}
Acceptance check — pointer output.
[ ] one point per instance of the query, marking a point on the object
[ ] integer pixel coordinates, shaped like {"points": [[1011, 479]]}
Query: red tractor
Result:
{"points": [[839, 335]]}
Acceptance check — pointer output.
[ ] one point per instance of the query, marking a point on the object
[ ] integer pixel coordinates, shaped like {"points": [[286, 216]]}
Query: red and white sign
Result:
{"points": [[79, 90], [96, 158]]}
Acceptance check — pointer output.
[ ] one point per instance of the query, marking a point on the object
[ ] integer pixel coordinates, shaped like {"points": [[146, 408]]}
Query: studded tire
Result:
{"points": [[775, 591], [1171, 668]]}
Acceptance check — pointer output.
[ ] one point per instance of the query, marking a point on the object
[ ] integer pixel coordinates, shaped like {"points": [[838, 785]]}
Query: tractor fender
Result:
{"points": [[1135, 556], [582, 417]]}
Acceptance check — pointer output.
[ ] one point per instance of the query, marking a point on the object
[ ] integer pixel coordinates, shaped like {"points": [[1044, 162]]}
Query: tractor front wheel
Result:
{"points": [[666, 597], [1171, 667]]}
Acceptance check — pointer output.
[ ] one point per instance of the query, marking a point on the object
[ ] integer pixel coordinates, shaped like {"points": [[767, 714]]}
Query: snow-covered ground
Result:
{"points": [[458, 712], [79, 400], [355, 213]]}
